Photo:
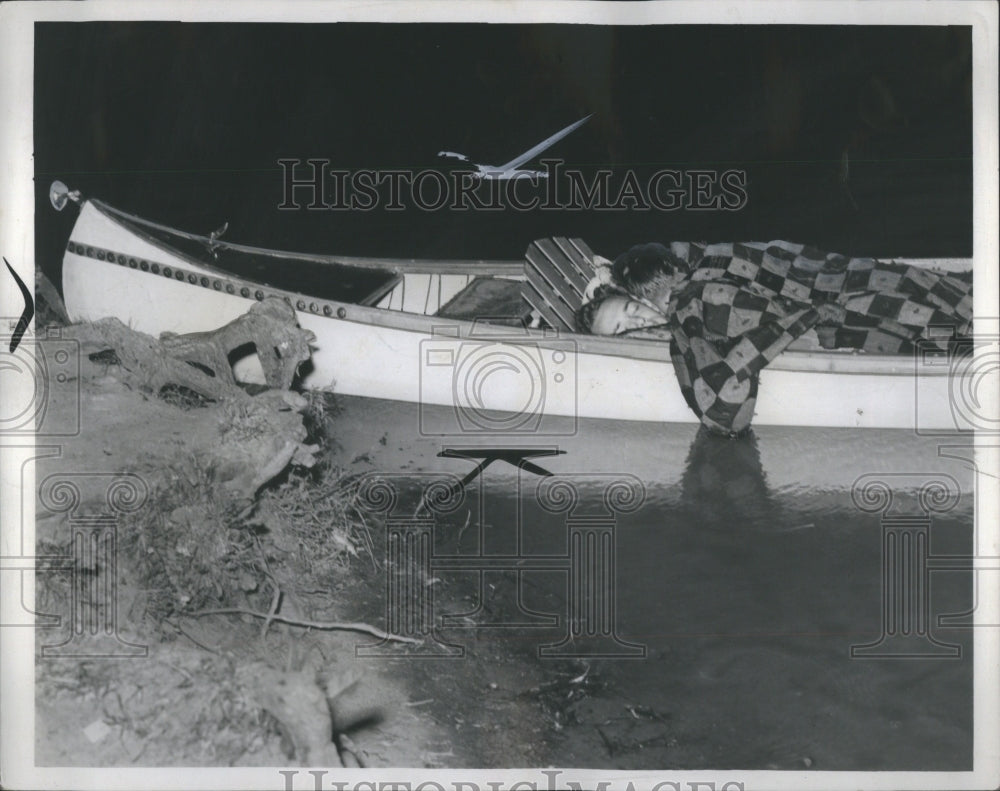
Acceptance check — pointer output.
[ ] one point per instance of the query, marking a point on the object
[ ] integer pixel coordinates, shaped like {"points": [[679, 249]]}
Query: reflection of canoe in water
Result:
{"points": [[417, 331]]}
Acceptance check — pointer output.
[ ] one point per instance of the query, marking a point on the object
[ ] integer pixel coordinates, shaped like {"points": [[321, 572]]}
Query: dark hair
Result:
{"points": [[585, 313], [646, 269]]}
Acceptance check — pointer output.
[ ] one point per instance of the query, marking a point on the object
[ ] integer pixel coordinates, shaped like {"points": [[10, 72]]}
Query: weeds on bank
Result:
{"points": [[194, 547], [319, 418], [187, 548], [321, 527]]}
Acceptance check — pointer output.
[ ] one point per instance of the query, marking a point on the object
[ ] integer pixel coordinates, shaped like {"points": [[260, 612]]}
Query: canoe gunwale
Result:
{"points": [[833, 361], [132, 224]]}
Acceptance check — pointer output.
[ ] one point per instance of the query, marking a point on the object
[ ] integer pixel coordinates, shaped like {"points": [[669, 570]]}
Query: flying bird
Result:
{"points": [[512, 169]]}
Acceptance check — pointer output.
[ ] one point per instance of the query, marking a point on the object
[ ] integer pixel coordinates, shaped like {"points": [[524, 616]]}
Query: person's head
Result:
{"points": [[651, 272], [613, 313]]}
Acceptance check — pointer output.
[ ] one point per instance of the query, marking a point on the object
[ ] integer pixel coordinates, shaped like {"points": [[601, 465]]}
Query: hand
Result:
{"points": [[831, 313]]}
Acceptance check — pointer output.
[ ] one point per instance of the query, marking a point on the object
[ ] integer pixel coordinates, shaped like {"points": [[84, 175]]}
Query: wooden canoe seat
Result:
{"points": [[557, 272], [490, 299]]}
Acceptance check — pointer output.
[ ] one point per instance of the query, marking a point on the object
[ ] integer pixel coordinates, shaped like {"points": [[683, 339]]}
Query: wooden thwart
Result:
{"points": [[557, 272]]}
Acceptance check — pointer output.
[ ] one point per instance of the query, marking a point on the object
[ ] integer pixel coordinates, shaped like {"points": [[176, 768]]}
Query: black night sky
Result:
{"points": [[184, 124]]}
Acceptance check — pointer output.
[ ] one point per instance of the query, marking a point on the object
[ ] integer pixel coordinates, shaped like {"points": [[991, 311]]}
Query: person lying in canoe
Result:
{"points": [[730, 309]]}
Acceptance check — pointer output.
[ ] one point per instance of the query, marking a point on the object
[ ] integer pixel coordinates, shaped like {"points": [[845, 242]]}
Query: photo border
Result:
{"points": [[17, 197]]}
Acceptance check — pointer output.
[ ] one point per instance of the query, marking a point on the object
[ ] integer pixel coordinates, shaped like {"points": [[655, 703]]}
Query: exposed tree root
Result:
{"points": [[322, 625]]}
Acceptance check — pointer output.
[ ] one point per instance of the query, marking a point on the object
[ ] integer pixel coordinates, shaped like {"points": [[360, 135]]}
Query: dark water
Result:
{"points": [[747, 572], [185, 124]]}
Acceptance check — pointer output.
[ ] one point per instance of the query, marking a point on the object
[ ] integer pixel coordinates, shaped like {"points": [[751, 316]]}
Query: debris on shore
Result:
{"points": [[227, 571]]}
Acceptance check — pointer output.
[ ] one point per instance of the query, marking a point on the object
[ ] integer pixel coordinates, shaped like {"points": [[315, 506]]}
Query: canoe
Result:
{"points": [[408, 330]]}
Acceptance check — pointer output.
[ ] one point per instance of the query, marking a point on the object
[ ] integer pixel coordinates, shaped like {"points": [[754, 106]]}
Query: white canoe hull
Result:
{"points": [[500, 380]]}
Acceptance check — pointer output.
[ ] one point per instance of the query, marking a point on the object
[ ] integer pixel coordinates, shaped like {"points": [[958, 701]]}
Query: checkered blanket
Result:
{"points": [[746, 302]]}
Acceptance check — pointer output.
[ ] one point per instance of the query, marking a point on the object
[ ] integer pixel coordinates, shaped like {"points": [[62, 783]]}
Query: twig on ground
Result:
{"points": [[324, 625], [275, 603], [180, 630], [369, 542], [608, 744], [180, 670]]}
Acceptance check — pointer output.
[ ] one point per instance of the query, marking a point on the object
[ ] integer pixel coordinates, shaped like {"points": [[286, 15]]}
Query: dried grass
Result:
{"points": [[188, 548], [194, 547], [317, 529]]}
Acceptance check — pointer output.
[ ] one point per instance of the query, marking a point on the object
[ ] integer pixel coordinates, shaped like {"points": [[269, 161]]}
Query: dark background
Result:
{"points": [[184, 124]]}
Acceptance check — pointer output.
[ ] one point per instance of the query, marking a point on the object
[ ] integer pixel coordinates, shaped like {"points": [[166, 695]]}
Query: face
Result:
{"points": [[618, 314]]}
